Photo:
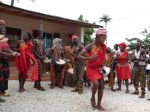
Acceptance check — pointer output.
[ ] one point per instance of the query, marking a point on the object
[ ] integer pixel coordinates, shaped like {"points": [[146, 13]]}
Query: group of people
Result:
{"points": [[94, 61]]}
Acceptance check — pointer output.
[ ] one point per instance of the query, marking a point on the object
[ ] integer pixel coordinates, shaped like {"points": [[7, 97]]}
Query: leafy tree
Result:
{"points": [[131, 43], [80, 18], [87, 31], [145, 41]]}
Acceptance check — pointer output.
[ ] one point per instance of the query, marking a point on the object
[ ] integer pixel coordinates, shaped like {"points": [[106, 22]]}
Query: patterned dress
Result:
{"points": [[39, 55], [4, 68]]}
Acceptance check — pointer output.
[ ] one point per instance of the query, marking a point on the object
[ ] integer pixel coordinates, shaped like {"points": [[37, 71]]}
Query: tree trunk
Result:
{"points": [[12, 2], [106, 29]]}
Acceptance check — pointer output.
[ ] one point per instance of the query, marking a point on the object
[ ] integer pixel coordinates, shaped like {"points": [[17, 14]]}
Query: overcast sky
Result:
{"points": [[129, 17]]}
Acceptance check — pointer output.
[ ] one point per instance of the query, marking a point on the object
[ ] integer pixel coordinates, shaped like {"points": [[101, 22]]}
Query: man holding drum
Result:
{"points": [[57, 64]]}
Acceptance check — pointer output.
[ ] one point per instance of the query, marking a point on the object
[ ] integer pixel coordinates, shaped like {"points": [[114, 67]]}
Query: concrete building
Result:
{"points": [[20, 20]]}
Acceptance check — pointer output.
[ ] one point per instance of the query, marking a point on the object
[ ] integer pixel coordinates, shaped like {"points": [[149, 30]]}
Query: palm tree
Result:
{"points": [[12, 2], [105, 18]]}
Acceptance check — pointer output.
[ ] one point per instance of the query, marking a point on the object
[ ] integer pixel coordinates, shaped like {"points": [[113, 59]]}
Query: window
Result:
{"points": [[47, 38], [13, 34], [56, 35]]}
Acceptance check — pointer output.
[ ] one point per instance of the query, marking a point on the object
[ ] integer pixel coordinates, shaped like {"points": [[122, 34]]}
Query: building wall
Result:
{"points": [[28, 24]]}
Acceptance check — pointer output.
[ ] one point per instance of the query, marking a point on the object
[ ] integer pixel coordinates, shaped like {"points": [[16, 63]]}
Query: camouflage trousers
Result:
{"points": [[148, 79], [79, 69], [139, 78], [111, 79]]}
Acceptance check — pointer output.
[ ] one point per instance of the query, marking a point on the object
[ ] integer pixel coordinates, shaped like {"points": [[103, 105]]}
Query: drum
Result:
{"points": [[106, 73], [70, 78], [46, 60], [60, 62], [107, 70]]}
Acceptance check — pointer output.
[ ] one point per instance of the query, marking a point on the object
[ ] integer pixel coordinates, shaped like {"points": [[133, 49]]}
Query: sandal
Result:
{"points": [[5, 94], [93, 102]]}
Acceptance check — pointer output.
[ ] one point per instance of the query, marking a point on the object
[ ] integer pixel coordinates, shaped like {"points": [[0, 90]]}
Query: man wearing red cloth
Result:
{"points": [[123, 68], [23, 61], [94, 53]]}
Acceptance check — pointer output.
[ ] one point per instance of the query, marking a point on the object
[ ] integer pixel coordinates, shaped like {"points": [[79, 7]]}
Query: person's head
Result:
{"points": [[101, 35], [57, 43], [2, 27], [116, 47], [122, 46], [138, 44], [27, 37], [2, 30], [75, 39], [3, 39], [2, 23], [37, 34]]}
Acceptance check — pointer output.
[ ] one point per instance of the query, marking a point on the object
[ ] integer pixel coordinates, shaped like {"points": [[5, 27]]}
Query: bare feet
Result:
{"points": [[40, 88], [118, 89], [135, 93], [93, 102], [142, 96], [127, 91], [21, 90], [113, 89], [100, 108]]}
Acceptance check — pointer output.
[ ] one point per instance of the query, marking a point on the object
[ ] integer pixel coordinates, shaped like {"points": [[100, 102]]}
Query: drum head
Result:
{"points": [[60, 62], [46, 60], [107, 70]]}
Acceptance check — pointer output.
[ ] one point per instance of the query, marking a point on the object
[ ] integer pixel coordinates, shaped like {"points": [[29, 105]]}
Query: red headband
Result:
{"points": [[101, 32], [123, 44]]}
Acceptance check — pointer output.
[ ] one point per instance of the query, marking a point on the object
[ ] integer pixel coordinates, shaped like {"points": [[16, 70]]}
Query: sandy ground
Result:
{"points": [[62, 100]]}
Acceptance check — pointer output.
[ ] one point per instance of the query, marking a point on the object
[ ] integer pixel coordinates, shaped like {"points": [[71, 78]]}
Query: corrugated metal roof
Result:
{"points": [[45, 17]]}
